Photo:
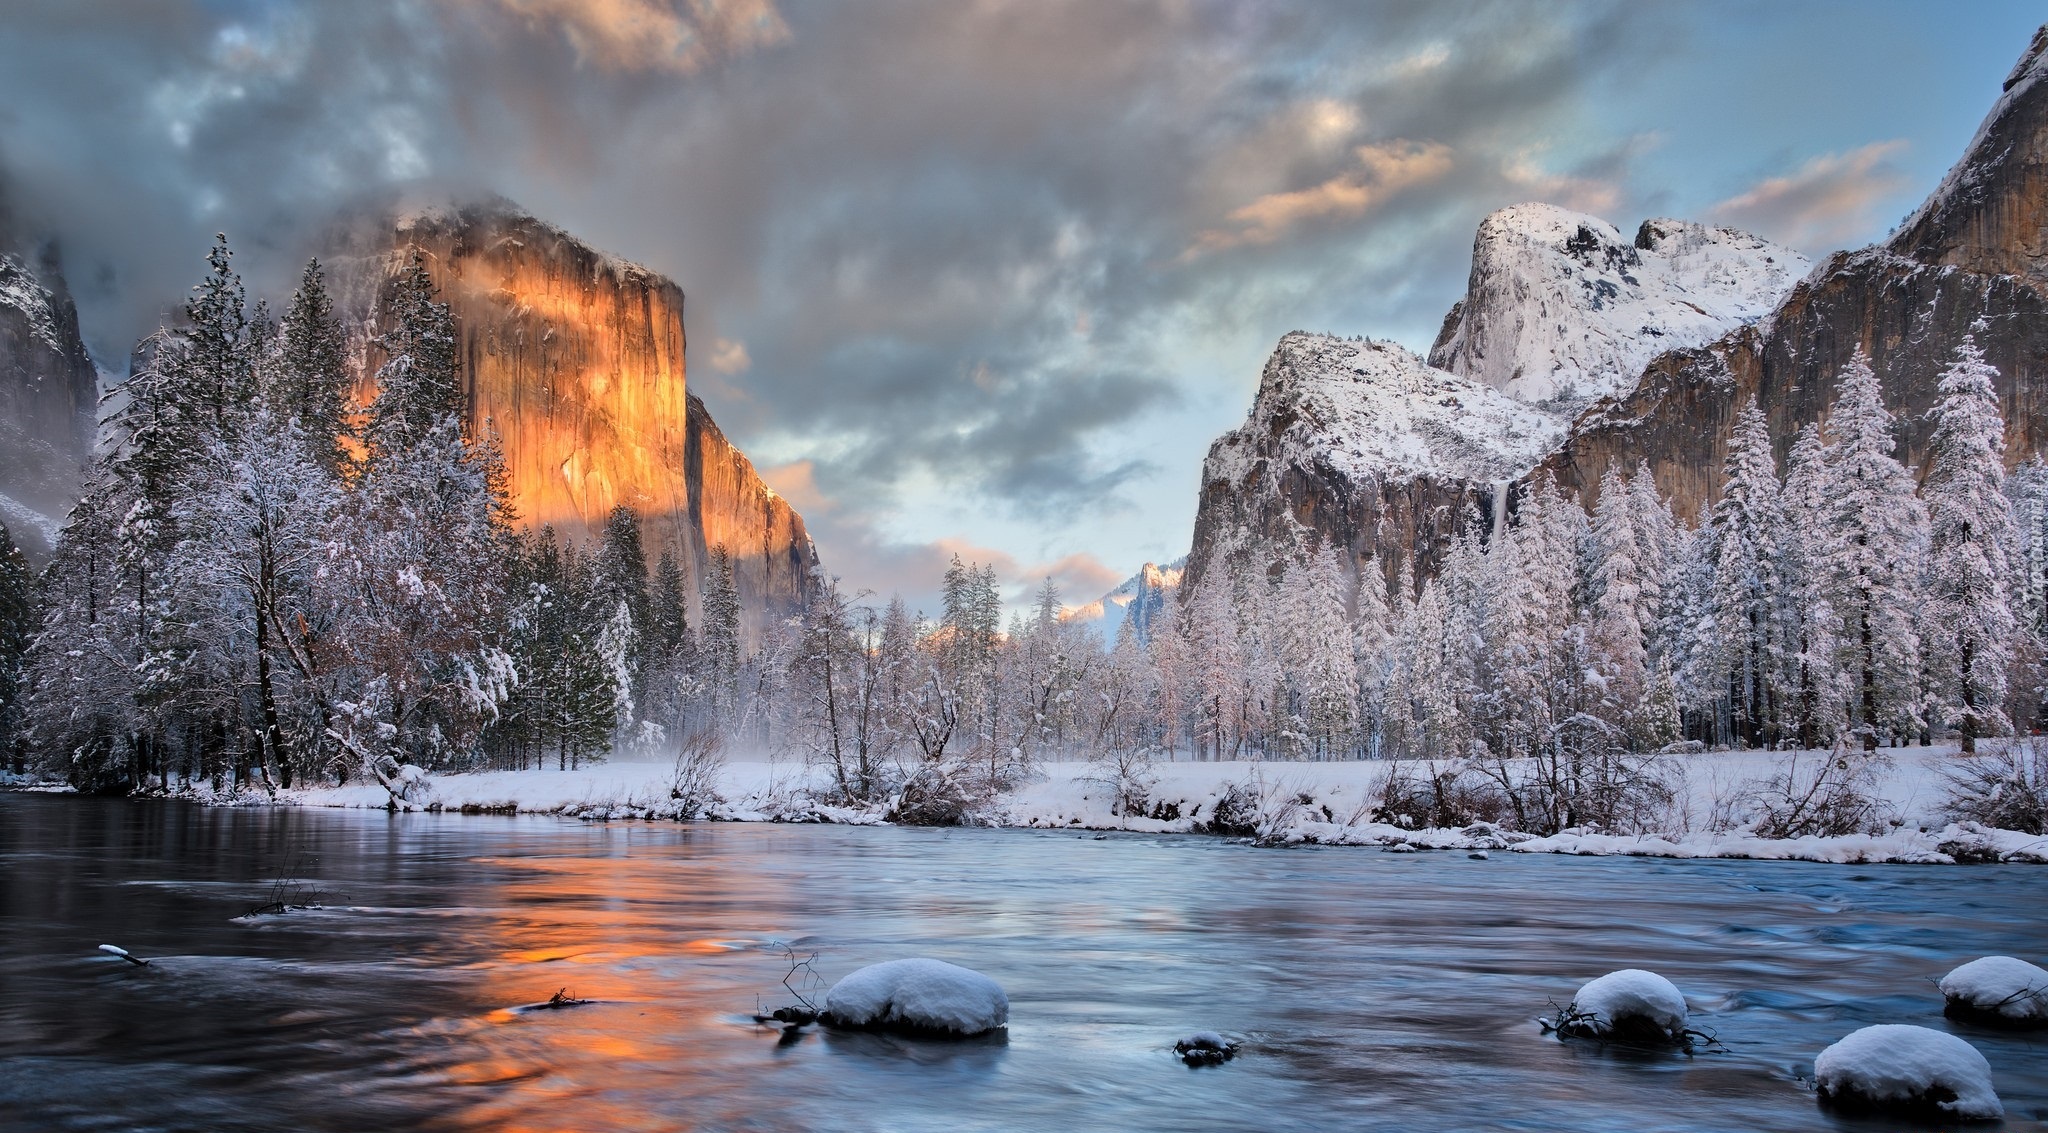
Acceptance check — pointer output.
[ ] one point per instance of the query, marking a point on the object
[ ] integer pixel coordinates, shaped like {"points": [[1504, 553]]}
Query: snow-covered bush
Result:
{"points": [[2006, 787], [919, 996], [1236, 813], [1126, 771], [1829, 795], [1438, 793], [933, 795], [2000, 990], [1907, 1071], [1631, 1005], [694, 787]]}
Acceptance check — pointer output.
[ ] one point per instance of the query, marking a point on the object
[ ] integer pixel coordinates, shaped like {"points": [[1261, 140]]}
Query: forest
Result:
{"points": [[266, 582]]}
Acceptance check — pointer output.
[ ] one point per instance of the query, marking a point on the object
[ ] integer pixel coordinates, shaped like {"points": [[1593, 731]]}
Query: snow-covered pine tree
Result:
{"points": [[18, 623], [1969, 614], [312, 367], [1878, 532], [719, 646], [1741, 660], [1618, 634], [1815, 698], [1659, 546], [217, 361], [2027, 489]]}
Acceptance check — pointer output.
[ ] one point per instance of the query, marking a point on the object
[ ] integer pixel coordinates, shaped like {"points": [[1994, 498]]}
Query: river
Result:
{"points": [[1371, 990]]}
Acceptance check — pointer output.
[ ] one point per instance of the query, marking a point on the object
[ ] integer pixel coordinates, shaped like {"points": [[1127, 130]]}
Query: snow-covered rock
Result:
{"points": [[2000, 989], [1562, 309], [919, 994], [1902, 1069], [1373, 410], [1628, 1004], [1205, 1048]]}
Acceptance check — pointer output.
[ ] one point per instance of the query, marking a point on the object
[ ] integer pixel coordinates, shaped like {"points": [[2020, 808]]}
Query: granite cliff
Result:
{"points": [[49, 390], [576, 360]]}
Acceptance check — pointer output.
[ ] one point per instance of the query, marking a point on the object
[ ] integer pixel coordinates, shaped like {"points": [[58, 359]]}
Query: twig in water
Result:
{"points": [[124, 954]]}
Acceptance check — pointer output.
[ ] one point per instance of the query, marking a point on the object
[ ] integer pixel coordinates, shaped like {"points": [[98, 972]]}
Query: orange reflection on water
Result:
{"points": [[667, 1006]]}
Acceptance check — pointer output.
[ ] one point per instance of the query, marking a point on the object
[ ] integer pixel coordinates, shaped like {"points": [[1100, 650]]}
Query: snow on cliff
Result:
{"points": [[19, 290], [1374, 410], [1149, 588], [1561, 309]]}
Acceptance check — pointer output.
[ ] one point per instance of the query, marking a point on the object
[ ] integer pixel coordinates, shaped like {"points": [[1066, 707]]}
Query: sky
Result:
{"points": [[971, 276]]}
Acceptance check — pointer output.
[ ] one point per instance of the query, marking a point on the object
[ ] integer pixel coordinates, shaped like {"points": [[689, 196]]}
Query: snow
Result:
{"points": [[1372, 410], [1892, 1066], [1296, 804], [19, 290], [1562, 309], [19, 516], [2012, 990], [919, 994], [1627, 1002]]}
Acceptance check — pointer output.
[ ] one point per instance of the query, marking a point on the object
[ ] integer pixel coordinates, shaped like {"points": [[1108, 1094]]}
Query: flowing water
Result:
{"points": [[1371, 990]]}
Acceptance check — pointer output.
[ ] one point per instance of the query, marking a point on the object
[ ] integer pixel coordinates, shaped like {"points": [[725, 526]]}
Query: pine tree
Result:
{"points": [[720, 643], [1878, 530], [1817, 699], [418, 388], [18, 621], [1741, 661], [1970, 622], [217, 361], [312, 369], [1619, 638]]}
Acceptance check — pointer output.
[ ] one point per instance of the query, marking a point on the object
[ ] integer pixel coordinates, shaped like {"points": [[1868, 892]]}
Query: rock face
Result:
{"points": [[1547, 318], [48, 394], [1360, 445], [577, 361], [1562, 309], [1972, 260]]}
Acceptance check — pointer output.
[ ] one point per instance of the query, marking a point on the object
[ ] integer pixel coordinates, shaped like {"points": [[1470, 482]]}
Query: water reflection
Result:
{"points": [[1371, 991]]}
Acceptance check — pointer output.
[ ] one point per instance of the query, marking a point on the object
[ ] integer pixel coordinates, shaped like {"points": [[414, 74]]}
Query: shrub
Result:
{"points": [[2004, 786]]}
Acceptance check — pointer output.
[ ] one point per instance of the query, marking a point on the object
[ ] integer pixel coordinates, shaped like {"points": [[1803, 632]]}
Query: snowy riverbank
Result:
{"points": [[1276, 802]]}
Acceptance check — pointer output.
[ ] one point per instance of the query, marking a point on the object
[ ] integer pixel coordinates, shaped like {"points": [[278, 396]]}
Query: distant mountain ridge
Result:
{"points": [[1138, 600]]}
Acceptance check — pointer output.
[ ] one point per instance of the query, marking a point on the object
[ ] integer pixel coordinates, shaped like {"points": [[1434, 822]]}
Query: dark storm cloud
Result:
{"points": [[965, 244]]}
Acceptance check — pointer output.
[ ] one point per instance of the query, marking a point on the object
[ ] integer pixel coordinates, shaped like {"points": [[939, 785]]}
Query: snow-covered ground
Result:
{"points": [[1284, 803]]}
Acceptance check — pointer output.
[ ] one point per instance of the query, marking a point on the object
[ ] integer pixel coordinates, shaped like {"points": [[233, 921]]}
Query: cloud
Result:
{"points": [[644, 35], [1080, 577], [1828, 203], [729, 356], [1382, 171], [934, 251]]}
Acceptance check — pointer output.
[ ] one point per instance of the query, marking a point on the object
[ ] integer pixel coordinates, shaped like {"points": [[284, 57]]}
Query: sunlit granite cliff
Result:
{"points": [[576, 360]]}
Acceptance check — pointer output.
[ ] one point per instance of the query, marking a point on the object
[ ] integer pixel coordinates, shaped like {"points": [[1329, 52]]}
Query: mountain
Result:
{"points": [[1654, 345], [49, 390], [1561, 309], [1971, 260], [1351, 438], [1363, 445], [1138, 600], [577, 360]]}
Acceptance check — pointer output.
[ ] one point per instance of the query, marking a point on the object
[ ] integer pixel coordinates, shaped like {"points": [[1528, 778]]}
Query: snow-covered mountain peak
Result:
{"points": [[1140, 597], [1371, 409], [1562, 309]]}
